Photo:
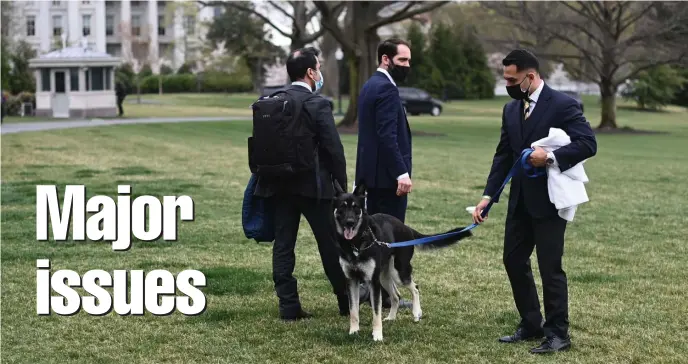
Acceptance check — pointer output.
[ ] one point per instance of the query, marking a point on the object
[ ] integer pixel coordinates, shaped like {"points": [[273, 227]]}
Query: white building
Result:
{"points": [[149, 31], [75, 82]]}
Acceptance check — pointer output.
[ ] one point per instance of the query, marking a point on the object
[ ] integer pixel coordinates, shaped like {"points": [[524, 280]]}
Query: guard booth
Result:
{"points": [[75, 82]]}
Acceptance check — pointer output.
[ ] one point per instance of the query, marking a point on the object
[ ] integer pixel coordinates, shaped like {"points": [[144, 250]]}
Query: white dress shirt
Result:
{"points": [[533, 102], [301, 83]]}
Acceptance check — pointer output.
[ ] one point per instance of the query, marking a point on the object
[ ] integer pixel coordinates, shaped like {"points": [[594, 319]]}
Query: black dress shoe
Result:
{"points": [[552, 345], [299, 316], [522, 334]]}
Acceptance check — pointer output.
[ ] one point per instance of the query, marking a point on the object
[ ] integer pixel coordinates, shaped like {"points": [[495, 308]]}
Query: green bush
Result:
{"points": [[146, 71], [14, 102], [654, 88], [166, 70], [681, 95], [186, 68], [210, 82], [451, 63], [124, 75], [225, 82]]}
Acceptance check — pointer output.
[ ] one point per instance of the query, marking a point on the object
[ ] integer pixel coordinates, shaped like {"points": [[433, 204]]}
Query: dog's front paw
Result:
{"points": [[417, 315], [389, 318], [377, 335], [353, 331]]}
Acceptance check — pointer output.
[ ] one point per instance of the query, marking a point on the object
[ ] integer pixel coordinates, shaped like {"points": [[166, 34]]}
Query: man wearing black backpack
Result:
{"points": [[296, 153]]}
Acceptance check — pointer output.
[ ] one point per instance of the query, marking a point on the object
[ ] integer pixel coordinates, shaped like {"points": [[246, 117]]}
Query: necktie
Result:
{"points": [[526, 108]]}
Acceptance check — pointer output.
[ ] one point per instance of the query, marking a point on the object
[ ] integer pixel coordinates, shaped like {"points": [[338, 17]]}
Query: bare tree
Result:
{"points": [[605, 42], [358, 37], [136, 44], [300, 13], [328, 46]]}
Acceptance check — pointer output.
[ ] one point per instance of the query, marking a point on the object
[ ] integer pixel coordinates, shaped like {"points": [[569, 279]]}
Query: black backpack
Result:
{"points": [[282, 144]]}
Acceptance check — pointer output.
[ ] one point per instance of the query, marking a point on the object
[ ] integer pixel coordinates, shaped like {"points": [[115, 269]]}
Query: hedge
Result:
{"points": [[177, 83], [13, 103]]}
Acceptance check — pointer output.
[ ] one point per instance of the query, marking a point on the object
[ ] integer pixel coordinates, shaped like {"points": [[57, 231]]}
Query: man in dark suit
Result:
{"points": [[299, 195], [121, 93], [383, 159], [532, 220]]}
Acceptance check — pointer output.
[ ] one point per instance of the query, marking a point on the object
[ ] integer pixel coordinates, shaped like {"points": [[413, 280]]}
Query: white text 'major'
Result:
{"points": [[112, 221]]}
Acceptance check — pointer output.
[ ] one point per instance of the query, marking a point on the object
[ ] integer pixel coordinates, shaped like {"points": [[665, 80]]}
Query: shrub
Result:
{"points": [[12, 105], [681, 96], [225, 82], [146, 71], [186, 68], [210, 82], [654, 88], [166, 70]]}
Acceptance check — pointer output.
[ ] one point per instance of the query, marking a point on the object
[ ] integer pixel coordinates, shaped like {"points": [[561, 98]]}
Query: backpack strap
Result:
{"points": [[298, 105]]}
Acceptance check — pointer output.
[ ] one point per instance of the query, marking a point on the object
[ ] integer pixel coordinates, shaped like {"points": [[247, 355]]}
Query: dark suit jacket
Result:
{"points": [[318, 112], [384, 136], [552, 110]]}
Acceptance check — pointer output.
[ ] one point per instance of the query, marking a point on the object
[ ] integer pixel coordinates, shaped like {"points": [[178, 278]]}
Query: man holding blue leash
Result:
{"points": [[532, 221]]}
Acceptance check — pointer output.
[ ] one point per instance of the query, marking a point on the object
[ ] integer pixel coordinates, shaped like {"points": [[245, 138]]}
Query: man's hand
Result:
{"points": [[404, 186], [538, 158], [477, 217]]}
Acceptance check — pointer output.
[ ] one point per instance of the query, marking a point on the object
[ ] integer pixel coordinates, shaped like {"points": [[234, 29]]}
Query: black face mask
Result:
{"points": [[515, 91], [399, 73]]}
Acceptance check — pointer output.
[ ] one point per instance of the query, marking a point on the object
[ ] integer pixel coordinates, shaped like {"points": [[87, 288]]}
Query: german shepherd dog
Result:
{"points": [[364, 256]]}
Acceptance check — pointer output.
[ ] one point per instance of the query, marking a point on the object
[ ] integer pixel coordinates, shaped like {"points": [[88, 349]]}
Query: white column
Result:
{"points": [[179, 35], [44, 25], [98, 24], [73, 24], [125, 30], [153, 35]]}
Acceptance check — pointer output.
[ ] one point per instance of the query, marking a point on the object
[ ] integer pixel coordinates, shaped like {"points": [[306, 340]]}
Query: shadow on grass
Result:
{"points": [[637, 109], [132, 171], [86, 173], [222, 281]]}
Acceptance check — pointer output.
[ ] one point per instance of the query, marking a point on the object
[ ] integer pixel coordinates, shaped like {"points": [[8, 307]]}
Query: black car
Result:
{"points": [[417, 101], [576, 96], [268, 90]]}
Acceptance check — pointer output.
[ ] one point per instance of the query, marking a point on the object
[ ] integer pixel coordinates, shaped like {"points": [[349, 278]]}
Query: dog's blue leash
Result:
{"points": [[521, 163]]}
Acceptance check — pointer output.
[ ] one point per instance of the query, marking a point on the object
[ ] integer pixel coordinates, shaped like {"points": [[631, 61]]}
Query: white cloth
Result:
{"points": [[566, 189]]}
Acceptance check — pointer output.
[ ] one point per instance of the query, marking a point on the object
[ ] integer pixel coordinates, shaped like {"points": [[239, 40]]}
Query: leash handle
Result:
{"points": [[521, 163]]}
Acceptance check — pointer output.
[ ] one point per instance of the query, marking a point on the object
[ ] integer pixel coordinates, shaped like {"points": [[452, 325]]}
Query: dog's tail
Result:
{"points": [[444, 242]]}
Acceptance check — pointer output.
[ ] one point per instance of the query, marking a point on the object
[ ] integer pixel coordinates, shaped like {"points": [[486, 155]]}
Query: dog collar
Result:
{"points": [[357, 251]]}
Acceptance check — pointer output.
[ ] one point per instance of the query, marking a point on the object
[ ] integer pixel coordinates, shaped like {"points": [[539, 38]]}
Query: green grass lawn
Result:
{"points": [[625, 252]]}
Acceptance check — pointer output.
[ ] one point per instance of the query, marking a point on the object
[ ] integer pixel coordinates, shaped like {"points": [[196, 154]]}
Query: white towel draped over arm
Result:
{"points": [[566, 190]]}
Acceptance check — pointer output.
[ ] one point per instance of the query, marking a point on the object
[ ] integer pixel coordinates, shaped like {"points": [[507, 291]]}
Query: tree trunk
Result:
{"points": [[351, 112], [138, 88], [363, 62], [160, 83], [298, 24], [330, 67], [608, 98]]}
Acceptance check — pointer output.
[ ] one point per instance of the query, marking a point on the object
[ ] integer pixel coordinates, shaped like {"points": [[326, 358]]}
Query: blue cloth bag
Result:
{"points": [[258, 214]]}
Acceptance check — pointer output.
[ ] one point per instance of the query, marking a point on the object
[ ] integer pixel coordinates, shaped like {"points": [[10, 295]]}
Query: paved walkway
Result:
{"points": [[10, 128]]}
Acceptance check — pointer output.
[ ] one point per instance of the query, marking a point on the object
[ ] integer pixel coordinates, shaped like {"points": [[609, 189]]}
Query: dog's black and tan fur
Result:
{"points": [[364, 259]]}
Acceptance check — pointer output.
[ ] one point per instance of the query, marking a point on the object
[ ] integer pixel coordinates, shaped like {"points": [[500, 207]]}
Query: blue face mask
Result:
{"points": [[319, 84]]}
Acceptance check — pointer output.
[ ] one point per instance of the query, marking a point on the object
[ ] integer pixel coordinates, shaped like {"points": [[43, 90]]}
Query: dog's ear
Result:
{"points": [[360, 189], [337, 188]]}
